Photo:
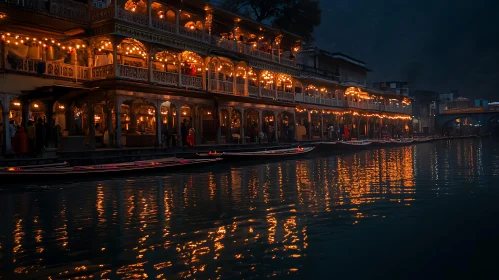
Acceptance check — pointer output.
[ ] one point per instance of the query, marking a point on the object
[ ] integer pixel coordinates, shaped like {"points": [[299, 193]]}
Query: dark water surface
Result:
{"points": [[422, 212]]}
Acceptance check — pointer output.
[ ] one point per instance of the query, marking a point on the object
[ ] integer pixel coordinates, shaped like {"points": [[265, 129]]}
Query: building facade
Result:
{"points": [[140, 70]]}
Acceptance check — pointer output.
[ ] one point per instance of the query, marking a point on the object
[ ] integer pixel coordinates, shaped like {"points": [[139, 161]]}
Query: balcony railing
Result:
{"points": [[253, 91], [59, 70], [240, 89], [135, 73], [268, 93], [165, 78], [315, 72], [288, 96], [192, 82]]}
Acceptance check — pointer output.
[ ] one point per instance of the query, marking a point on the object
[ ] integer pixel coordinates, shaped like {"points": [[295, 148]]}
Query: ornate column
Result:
{"points": [[90, 61], [229, 125], [260, 122], [117, 111], [6, 124], [243, 126], [150, 56], [309, 120], [275, 86], [49, 113], [159, 133], [179, 71], [322, 125], [294, 125], [133, 118], [70, 118], [234, 80], [218, 139], [149, 13], [208, 75], [109, 122], [115, 58], [178, 105], [24, 112], [91, 125], [216, 79], [177, 20], [246, 84], [276, 126]]}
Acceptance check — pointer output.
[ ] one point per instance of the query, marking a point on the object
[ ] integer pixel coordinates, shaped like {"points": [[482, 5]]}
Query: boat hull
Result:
{"points": [[261, 155], [72, 173]]}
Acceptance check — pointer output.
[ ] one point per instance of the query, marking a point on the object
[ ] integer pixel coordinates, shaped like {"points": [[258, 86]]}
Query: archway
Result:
{"points": [[267, 84], [133, 59], [192, 69], [221, 75], [166, 67]]}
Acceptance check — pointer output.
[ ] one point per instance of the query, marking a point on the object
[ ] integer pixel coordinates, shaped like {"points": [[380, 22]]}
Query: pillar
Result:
{"points": [[70, 118], [115, 58], [197, 125], [149, 66], [275, 84], [276, 125], [217, 85], [259, 84], [243, 126], [117, 111], [179, 72], [219, 127], [24, 112], [149, 14], [91, 125], [229, 125], [177, 20], [208, 75], [246, 84], [109, 123], [260, 122], [179, 123], [234, 80], [294, 125], [49, 113], [6, 127], [159, 136], [309, 120], [322, 125], [133, 118]]}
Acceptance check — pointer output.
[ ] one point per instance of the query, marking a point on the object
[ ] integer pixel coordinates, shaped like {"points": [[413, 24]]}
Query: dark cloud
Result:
{"points": [[439, 45]]}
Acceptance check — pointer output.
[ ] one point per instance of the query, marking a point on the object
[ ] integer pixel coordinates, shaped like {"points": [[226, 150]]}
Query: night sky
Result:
{"points": [[437, 45]]}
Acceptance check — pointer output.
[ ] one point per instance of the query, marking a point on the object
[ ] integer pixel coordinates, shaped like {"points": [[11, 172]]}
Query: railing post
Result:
{"points": [[179, 71], [234, 80]]}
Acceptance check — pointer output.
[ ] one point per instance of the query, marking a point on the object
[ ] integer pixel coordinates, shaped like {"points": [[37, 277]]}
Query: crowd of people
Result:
{"points": [[33, 137]]}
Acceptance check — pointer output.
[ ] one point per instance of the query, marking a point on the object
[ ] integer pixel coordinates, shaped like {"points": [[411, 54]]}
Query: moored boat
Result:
{"points": [[354, 145], [54, 173], [258, 155]]}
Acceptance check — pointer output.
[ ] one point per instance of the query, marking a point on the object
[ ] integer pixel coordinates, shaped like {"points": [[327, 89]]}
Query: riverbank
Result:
{"points": [[104, 156]]}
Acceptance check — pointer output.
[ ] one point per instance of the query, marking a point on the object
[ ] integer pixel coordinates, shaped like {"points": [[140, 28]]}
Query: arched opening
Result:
{"points": [[267, 84], [253, 82], [462, 125], [285, 87], [138, 123], [132, 58], [192, 70], [166, 67], [221, 75], [133, 10], [164, 17], [191, 25], [269, 126], [241, 75], [286, 127], [252, 125], [235, 126], [302, 124]]}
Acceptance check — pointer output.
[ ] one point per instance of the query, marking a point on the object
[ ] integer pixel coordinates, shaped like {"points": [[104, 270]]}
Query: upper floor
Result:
{"points": [[336, 67], [191, 22]]}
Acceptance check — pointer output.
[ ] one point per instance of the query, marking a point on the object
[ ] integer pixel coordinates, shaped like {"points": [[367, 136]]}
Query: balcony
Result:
{"points": [[308, 71], [51, 69], [190, 33]]}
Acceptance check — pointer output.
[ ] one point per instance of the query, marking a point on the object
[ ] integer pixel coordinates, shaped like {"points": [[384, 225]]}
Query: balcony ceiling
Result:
{"points": [[31, 23]]}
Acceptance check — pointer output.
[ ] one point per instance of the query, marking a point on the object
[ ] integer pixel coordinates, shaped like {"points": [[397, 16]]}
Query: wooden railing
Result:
{"points": [[103, 72], [135, 73], [253, 91], [192, 82], [288, 96], [240, 89], [268, 93], [165, 78]]}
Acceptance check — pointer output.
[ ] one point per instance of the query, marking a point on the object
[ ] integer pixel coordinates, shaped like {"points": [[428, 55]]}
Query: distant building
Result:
{"points": [[462, 103], [397, 87], [482, 103], [101, 3], [345, 69], [493, 106], [424, 110]]}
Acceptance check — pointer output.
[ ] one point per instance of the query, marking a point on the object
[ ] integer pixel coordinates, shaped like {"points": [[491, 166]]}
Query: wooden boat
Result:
{"points": [[54, 173], [354, 145], [258, 155]]}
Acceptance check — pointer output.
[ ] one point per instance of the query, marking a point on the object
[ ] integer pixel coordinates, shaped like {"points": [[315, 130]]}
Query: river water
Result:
{"points": [[427, 211]]}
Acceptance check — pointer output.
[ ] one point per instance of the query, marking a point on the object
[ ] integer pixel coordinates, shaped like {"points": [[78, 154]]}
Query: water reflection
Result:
{"points": [[244, 221]]}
